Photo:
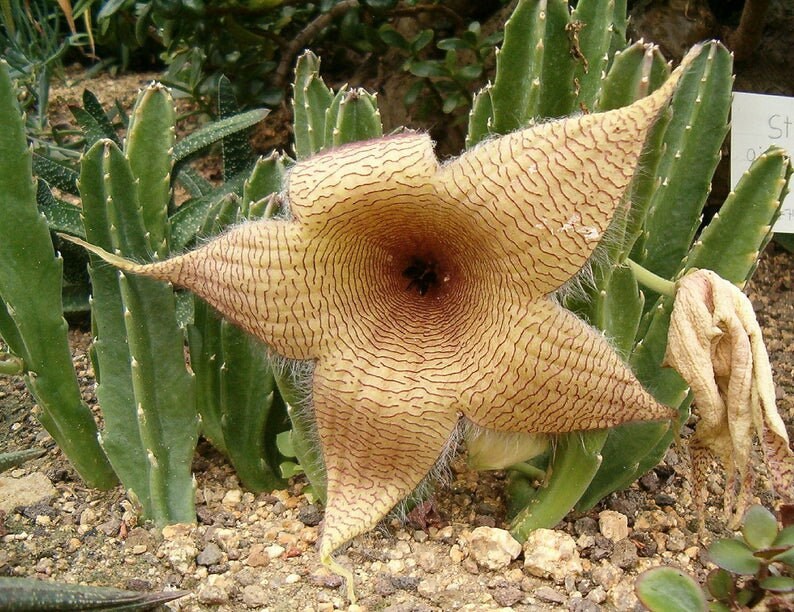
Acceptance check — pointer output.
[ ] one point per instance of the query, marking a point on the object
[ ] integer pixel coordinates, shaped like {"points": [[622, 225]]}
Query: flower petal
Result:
{"points": [[546, 194], [377, 173], [381, 432], [555, 374], [255, 276]]}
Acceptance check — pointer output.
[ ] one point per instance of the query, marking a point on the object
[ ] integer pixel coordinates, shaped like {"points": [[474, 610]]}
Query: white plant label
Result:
{"points": [[758, 122]]}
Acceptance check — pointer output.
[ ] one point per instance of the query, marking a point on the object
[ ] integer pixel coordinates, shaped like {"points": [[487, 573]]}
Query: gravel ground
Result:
{"points": [[258, 551]]}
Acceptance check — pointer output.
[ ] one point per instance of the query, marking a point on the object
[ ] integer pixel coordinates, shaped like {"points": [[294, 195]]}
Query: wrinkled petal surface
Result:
{"points": [[421, 292], [715, 344]]}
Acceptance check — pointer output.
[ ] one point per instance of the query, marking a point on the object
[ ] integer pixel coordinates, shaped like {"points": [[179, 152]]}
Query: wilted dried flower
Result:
{"points": [[715, 344]]}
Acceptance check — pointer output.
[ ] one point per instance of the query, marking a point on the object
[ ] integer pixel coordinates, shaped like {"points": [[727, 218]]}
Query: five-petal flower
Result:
{"points": [[422, 293]]}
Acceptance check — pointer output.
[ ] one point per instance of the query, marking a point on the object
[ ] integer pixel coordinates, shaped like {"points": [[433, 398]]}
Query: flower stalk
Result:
{"points": [[652, 281]]}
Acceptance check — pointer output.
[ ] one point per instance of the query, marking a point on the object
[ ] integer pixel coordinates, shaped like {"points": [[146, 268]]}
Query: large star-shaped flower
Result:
{"points": [[422, 293]]}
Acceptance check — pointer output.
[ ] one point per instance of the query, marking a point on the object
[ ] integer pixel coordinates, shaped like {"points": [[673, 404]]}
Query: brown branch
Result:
{"points": [[744, 39], [312, 29]]}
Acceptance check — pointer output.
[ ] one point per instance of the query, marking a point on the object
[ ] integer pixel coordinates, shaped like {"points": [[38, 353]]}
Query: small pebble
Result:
{"points": [[325, 578], [254, 596], [232, 497], [551, 554], [428, 587], [310, 515], [663, 500], [257, 557], [606, 575], [507, 595], [211, 555], [613, 525], [585, 526], [493, 548], [548, 594], [624, 554]]}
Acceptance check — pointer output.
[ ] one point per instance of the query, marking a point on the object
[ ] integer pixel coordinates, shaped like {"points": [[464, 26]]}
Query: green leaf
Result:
{"points": [[470, 72], [413, 93], [785, 537], [93, 131], [237, 152], [61, 216], [289, 469], [667, 589], [392, 37], [284, 443], [94, 108], [759, 528], [189, 218], [26, 594], [216, 131], [452, 44], [56, 174], [421, 40], [16, 458], [720, 583], [734, 556], [787, 557], [427, 69], [778, 584]]}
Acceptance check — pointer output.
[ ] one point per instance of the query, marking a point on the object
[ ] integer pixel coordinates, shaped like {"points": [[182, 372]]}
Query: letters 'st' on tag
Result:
{"points": [[758, 122]]}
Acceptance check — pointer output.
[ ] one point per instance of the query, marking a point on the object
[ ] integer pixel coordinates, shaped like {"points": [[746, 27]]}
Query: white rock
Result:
{"points": [[24, 491], [551, 554], [613, 525], [275, 551], [493, 548], [232, 497], [178, 546]]}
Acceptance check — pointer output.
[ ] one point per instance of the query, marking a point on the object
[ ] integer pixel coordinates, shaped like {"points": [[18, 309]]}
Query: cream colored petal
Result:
{"points": [[379, 174], [693, 343], [546, 194], [381, 432], [549, 372], [255, 275]]}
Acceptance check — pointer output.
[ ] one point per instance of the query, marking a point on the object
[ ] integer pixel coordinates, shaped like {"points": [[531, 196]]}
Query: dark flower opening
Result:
{"points": [[422, 275]]}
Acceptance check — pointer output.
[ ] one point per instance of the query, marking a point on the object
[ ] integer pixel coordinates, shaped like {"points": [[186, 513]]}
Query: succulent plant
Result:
{"points": [[757, 566]]}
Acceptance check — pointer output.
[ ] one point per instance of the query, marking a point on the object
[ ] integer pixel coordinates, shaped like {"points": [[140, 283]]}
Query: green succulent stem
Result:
{"points": [[650, 280], [528, 470]]}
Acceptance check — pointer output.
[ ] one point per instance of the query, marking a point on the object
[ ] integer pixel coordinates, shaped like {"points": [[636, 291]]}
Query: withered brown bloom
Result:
{"points": [[422, 292], [715, 343]]}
